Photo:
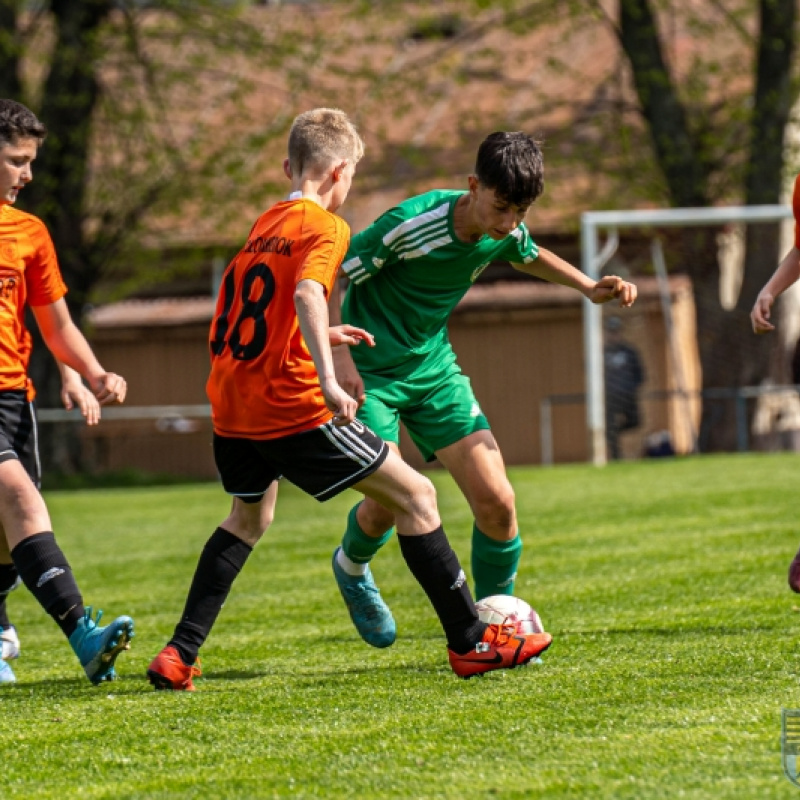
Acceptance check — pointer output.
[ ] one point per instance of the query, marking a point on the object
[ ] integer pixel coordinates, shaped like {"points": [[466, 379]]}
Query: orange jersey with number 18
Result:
{"points": [[263, 382]]}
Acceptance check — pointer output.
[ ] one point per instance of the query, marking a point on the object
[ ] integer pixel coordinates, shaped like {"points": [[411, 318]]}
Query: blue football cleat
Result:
{"points": [[9, 643], [6, 673], [9, 648], [97, 648], [371, 616]]}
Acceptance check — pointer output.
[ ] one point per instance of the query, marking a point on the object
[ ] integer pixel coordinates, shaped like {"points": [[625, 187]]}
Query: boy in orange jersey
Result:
{"points": [[29, 277], [74, 394], [785, 275], [279, 411]]}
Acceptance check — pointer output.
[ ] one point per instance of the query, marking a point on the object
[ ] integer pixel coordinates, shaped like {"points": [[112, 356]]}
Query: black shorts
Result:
{"points": [[323, 462], [19, 436]]}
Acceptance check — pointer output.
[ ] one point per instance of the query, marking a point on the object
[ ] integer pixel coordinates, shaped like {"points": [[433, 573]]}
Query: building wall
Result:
{"points": [[163, 365]]}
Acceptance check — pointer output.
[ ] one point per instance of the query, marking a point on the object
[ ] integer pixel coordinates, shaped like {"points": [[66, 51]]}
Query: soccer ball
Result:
{"points": [[505, 609]]}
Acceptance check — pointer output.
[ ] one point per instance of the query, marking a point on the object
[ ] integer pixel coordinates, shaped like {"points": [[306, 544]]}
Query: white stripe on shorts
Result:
{"points": [[350, 435], [38, 479], [349, 444]]}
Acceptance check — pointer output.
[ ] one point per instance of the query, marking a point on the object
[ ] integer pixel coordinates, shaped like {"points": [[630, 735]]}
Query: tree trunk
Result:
{"points": [[677, 153], [57, 195], [734, 356], [731, 356], [10, 85]]}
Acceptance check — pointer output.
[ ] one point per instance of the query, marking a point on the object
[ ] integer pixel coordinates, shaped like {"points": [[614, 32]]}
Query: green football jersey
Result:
{"points": [[408, 271]]}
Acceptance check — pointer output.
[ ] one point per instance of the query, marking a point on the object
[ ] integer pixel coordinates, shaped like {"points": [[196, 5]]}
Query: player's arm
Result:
{"points": [[74, 394], [785, 275], [69, 346], [554, 269], [349, 335], [312, 314]]}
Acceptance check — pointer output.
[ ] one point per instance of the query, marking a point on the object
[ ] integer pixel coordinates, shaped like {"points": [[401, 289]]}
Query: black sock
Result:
{"points": [[220, 562], [435, 566], [47, 574], [8, 577]]}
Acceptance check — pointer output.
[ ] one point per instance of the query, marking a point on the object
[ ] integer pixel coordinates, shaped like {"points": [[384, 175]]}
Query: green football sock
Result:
{"points": [[494, 564], [357, 546]]}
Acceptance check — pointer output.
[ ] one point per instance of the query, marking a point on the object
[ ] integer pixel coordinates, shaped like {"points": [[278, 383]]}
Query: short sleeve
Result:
{"points": [[42, 274], [326, 243], [519, 247]]}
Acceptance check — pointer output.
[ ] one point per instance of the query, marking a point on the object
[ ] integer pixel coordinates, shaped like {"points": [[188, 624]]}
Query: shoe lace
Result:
{"points": [[498, 635], [92, 623]]}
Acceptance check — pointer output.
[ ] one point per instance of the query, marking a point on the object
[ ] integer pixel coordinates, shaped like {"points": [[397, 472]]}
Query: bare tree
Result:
{"points": [[104, 77], [730, 355], [691, 109]]}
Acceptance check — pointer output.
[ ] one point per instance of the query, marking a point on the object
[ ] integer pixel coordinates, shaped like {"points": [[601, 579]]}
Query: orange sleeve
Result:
{"points": [[29, 276], [796, 210], [327, 237], [42, 275]]}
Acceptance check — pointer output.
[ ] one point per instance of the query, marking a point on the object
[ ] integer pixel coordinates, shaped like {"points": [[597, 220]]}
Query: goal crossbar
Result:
{"points": [[593, 258]]}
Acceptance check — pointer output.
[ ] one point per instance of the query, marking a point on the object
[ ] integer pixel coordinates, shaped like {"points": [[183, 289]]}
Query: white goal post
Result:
{"points": [[593, 259]]}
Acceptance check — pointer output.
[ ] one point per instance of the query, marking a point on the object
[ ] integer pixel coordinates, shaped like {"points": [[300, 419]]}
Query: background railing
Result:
{"points": [[740, 396]]}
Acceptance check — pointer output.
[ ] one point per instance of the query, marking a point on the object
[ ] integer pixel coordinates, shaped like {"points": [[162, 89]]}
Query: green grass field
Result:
{"points": [[663, 583]]}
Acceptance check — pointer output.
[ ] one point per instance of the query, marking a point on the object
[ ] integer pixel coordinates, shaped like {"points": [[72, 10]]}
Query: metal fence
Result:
{"points": [[740, 396]]}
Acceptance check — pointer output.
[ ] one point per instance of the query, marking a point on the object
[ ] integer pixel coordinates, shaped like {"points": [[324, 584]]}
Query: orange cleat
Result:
{"points": [[167, 671], [501, 648]]}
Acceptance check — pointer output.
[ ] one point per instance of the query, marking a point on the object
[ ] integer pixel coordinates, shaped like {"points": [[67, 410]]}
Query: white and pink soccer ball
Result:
{"points": [[505, 609]]}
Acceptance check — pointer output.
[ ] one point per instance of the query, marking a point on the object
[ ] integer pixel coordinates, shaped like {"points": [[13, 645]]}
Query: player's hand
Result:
{"points": [[612, 287], [761, 313], [349, 334], [76, 395], [110, 388], [347, 376], [343, 406]]}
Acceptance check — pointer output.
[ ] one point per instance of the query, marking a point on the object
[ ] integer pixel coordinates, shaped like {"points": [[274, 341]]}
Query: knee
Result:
{"points": [[421, 501], [248, 522], [249, 534], [495, 510], [425, 493]]}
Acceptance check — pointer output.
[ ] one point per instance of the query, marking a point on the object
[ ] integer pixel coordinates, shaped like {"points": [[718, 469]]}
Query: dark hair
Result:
{"points": [[511, 164], [18, 122]]}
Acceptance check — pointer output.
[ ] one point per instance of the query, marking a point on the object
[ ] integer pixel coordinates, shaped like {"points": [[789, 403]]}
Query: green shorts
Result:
{"points": [[435, 402]]}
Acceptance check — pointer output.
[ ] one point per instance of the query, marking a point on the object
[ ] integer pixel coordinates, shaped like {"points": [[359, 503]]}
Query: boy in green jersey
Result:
{"points": [[407, 272]]}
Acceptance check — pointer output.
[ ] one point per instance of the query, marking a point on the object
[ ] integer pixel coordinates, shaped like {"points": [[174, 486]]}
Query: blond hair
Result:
{"points": [[320, 137]]}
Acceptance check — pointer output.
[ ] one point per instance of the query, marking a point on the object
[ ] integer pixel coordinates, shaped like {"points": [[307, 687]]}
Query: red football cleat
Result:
{"points": [[501, 648], [167, 671]]}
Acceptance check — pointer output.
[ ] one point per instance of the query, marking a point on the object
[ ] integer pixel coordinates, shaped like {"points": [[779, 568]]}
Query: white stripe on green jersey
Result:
{"points": [[420, 234], [408, 271]]}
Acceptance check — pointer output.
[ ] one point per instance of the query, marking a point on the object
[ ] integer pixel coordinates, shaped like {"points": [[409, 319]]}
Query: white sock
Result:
{"points": [[350, 567]]}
